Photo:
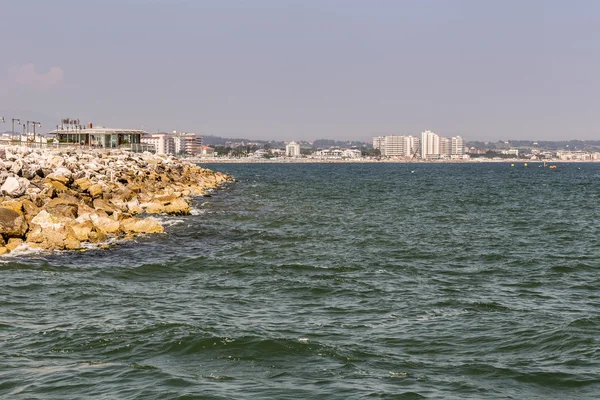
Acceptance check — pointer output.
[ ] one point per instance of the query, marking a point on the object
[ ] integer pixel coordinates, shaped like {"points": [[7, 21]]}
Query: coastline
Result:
{"points": [[70, 199], [218, 160]]}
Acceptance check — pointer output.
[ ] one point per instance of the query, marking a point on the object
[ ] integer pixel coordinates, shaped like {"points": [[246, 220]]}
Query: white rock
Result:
{"points": [[14, 187]]}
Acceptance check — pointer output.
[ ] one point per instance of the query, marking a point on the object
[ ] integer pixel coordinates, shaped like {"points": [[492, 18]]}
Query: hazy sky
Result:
{"points": [[307, 69]]}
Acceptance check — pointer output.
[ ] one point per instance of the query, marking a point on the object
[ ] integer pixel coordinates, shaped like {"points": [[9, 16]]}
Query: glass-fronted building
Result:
{"points": [[100, 138]]}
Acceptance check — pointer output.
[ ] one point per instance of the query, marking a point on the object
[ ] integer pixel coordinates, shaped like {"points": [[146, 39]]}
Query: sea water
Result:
{"points": [[326, 281]]}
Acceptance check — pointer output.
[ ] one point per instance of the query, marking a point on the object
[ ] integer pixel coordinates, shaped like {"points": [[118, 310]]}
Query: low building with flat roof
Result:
{"points": [[100, 137]]}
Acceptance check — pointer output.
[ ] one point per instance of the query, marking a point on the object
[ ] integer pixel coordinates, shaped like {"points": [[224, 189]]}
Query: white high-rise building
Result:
{"points": [[178, 143], [412, 146], [395, 146], [379, 144], [292, 149], [445, 146], [458, 146], [163, 142], [430, 145]]}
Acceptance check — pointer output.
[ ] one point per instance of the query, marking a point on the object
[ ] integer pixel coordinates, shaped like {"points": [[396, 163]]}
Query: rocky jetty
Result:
{"points": [[59, 200]]}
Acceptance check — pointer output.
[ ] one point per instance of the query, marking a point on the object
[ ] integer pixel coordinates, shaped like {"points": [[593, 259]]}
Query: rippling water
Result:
{"points": [[337, 281]]}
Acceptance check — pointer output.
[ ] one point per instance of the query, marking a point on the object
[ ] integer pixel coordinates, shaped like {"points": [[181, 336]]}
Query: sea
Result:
{"points": [[326, 281]]}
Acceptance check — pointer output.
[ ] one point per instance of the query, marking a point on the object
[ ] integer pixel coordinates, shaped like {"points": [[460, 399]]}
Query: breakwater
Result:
{"points": [[63, 199]]}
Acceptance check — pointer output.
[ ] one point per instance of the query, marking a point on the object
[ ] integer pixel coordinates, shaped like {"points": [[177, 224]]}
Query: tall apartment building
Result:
{"points": [[187, 143], [412, 146], [445, 146], [379, 144], [292, 149], [397, 146], [162, 142], [394, 146], [430, 145], [175, 143], [458, 146]]}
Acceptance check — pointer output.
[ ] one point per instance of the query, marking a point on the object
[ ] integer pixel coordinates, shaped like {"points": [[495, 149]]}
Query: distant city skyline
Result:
{"points": [[306, 69]]}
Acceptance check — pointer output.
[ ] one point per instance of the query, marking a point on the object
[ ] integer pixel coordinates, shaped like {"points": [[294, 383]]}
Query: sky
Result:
{"points": [[306, 69]]}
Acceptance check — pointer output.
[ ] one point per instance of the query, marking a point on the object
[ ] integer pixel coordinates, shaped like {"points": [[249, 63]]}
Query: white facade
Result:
{"points": [[445, 146], [190, 143], [458, 146], [430, 145], [292, 149], [379, 144], [175, 143], [161, 142], [395, 146], [412, 146]]}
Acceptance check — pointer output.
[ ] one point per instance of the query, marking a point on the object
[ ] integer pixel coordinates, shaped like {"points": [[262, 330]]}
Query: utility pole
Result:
{"points": [[34, 125]]}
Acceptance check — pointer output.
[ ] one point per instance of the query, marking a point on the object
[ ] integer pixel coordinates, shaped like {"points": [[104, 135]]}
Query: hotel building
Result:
{"points": [[292, 149]]}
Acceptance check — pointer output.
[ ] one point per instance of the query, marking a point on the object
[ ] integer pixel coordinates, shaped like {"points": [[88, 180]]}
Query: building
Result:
{"points": [[161, 141], [445, 146], [175, 143], [379, 144], [458, 146], [430, 145], [189, 144], [394, 146], [412, 145], [207, 152], [292, 149], [99, 137]]}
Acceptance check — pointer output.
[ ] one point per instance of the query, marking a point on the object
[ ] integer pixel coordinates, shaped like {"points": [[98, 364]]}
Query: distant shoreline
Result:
{"points": [[368, 161]]}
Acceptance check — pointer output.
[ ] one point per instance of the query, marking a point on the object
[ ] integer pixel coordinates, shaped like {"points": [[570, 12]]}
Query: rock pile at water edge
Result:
{"points": [[60, 199]]}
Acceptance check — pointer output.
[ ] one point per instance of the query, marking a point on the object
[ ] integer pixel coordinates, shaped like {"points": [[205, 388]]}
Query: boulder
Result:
{"points": [[12, 223], [178, 207], [83, 183], [82, 230], [145, 225], [13, 243], [55, 187], [101, 204], [104, 224], [14, 187], [95, 190]]}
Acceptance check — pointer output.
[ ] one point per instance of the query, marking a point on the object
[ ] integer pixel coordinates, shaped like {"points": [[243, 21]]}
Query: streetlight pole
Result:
{"points": [[13, 126], [34, 125]]}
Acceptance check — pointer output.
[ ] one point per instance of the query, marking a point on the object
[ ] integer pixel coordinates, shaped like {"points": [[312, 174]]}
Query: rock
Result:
{"points": [[13, 243], [14, 205], [95, 190], [12, 223], [3, 250], [45, 220], [133, 207], [14, 187], [154, 207], [82, 230], [137, 225], [105, 224], [56, 186], [178, 207], [100, 204], [83, 183], [62, 208], [97, 237], [57, 199]]}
